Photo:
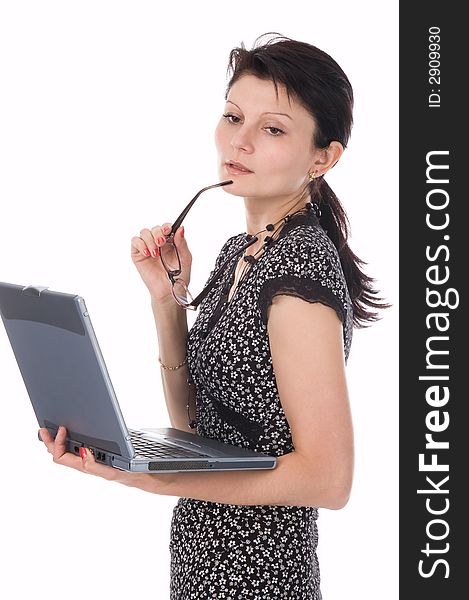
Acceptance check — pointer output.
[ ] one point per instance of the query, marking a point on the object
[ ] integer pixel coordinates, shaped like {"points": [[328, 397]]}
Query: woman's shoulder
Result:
{"points": [[306, 258], [231, 244], [229, 247], [305, 263], [307, 250]]}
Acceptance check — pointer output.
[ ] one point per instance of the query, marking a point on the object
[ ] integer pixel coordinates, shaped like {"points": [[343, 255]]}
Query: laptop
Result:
{"points": [[68, 384]]}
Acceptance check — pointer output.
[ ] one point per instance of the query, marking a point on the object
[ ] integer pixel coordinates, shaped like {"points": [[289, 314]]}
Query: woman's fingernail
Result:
{"points": [[83, 452], [161, 241], [155, 252], [146, 252], [182, 230]]}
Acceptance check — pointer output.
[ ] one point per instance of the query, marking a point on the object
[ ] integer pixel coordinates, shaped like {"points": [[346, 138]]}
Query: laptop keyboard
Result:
{"points": [[151, 449]]}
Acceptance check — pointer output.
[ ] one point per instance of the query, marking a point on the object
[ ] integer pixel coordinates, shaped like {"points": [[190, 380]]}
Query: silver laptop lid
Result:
{"points": [[53, 339]]}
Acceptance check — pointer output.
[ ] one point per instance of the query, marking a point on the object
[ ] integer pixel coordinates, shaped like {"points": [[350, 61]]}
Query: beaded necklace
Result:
{"points": [[250, 259]]}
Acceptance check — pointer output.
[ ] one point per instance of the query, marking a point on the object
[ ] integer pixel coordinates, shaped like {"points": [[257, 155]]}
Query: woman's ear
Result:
{"points": [[326, 158]]}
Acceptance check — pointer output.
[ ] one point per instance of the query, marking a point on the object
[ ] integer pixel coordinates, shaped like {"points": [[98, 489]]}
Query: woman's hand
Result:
{"points": [[145, 253], [84, 463]]}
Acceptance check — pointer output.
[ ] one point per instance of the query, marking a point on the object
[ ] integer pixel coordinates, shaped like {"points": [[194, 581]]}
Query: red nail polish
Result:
{"points": [[155, 252], [146, 252], [182, 230], [161, 241], [83, 452]]}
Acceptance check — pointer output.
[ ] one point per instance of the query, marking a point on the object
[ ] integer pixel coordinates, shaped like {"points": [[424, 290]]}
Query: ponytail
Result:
{"points": [[334, 221]]}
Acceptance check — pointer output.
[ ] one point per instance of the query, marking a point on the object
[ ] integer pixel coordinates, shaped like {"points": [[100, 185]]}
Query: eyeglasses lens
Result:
{"points": [[170, 258], [181, 293]]}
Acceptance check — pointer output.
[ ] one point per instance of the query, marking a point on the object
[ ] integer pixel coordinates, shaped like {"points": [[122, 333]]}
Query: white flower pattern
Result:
{"points": [[262, 552]]}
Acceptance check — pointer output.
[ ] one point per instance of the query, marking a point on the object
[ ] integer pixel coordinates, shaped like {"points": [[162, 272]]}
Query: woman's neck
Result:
{"points": [[260, 212]]}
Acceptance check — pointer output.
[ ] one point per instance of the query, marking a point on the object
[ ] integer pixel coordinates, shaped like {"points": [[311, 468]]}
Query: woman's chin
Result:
{"points": [[236, 188]]}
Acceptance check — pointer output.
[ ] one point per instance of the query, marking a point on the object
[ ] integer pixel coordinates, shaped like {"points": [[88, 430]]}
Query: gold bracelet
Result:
{"points": [[175, 368]]}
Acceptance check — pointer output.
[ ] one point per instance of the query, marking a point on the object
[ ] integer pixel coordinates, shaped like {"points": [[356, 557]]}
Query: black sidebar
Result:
{"points": [[434, 354]]}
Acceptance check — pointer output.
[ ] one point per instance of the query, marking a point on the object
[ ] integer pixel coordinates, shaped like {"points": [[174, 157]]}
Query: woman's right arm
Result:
{"points": [[170, 318]]}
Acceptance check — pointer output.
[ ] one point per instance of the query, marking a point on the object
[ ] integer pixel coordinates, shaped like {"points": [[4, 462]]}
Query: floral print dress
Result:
{"points": [[262, 552]]}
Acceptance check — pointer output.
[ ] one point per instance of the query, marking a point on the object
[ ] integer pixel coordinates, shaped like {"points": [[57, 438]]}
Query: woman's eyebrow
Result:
{"points": [[265, 113]]}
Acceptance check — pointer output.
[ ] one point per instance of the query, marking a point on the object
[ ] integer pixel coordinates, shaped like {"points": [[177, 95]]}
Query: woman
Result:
{"points": [[263, 366]]}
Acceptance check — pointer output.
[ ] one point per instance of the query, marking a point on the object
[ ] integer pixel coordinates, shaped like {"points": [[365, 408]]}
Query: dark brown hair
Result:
{"points": [[315, 80]]}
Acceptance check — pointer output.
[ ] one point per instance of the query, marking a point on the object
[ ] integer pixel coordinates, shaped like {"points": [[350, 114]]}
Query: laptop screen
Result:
{"points": [[62, 367]]}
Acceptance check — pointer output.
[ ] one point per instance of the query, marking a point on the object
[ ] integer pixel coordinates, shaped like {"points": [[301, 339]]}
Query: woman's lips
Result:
{"points": [[235, 168]]}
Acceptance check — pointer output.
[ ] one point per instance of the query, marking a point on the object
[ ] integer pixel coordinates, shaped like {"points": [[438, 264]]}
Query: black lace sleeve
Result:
{"points": [[306, 265]]}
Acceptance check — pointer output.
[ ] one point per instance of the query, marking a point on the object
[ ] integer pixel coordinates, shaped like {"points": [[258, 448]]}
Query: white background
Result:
{"points": [[107, 114]]}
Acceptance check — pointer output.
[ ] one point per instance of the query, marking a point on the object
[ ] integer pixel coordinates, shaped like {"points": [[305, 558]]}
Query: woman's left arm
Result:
{"points": [[307, 352]]}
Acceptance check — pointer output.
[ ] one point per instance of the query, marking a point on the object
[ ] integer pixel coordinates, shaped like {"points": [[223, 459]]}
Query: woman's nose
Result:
{"points": [[242, 139]]}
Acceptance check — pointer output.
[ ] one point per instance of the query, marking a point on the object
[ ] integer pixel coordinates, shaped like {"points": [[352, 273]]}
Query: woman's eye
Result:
{"points": [[275, 131], [234, 119], [231, 118]]}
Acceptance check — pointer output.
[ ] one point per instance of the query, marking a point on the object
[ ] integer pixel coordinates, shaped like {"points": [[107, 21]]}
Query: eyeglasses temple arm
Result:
{"points": [[198, 299], [180, 219]]}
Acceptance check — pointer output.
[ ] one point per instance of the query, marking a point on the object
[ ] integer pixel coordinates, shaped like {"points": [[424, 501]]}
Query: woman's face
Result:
{"points": [[277, 149]]}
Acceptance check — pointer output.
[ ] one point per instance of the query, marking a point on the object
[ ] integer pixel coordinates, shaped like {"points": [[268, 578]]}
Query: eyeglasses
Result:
{"points": [[172, 263]]}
